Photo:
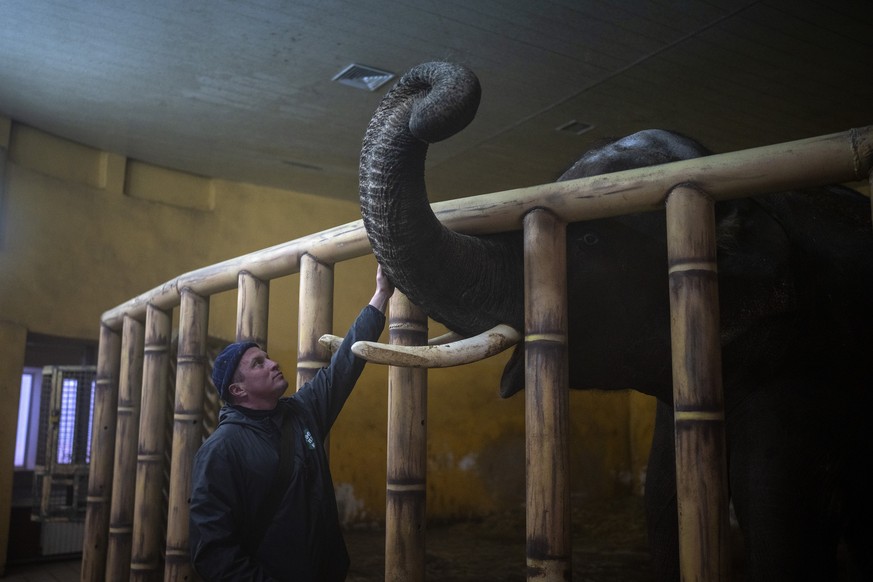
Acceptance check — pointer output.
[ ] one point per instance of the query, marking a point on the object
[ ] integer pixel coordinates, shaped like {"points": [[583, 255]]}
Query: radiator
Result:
{"points": [[62, 537]]}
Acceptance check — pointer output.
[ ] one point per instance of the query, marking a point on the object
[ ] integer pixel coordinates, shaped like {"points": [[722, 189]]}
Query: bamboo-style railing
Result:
{"points": [[191, 370], [547, 398], [127, 432], [698, 403], [142, 540], [315, 317], [406, 466], [148, 522]]}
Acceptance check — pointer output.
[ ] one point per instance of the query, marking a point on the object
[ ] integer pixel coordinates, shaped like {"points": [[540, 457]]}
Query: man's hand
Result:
{"points": [[384, 291]]}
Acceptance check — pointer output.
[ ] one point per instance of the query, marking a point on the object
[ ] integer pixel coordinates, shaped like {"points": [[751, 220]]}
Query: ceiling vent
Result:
{"points": [[363, 77], [576, 127]]}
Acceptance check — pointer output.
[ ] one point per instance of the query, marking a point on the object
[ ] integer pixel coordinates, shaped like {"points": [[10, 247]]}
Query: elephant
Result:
{"points": [[795, 273]]}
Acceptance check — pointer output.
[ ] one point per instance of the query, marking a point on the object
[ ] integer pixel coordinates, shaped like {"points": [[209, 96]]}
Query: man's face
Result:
{"points": [[263, 382]]}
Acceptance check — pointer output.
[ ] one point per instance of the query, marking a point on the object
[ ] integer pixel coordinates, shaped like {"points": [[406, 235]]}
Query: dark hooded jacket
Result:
{"points": [[235, 468]]}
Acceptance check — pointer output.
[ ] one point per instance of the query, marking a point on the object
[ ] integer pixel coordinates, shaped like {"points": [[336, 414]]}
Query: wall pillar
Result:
{"points": [[5, 131], [13, 338]]}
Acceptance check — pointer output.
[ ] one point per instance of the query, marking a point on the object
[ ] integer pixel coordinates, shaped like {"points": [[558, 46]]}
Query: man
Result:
{"points": [[253, 518]]}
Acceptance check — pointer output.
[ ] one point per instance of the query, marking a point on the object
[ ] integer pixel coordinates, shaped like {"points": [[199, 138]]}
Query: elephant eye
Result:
{"points": [[590, 239]]}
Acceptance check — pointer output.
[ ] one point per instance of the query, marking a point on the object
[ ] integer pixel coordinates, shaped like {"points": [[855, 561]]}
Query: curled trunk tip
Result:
{"points": [[450, 104]]}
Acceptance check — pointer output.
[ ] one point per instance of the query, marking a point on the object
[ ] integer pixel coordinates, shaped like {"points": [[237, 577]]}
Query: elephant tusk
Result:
{"points": [[453, 353], [444, 354], [331, 342], [445, 339]]}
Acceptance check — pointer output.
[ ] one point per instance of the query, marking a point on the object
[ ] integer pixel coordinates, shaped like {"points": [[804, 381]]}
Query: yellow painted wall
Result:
{"points": [[84, 230], [12, 340]]}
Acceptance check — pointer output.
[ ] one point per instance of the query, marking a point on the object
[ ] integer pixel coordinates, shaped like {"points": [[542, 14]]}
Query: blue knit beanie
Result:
{"points": [[225, 365]]}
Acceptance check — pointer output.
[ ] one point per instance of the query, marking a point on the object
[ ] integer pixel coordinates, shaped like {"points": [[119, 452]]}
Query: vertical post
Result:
{"points": [[129, 395], [547, 412], [698, 400], [145, 559], [13, 338], [187, 431], [252, 307], [5, 134], [102, 447], [315, 317], [407, 449]]}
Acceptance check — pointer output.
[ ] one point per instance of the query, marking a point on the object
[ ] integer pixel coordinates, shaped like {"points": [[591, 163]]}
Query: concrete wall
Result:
{"points": [[85, 230]]}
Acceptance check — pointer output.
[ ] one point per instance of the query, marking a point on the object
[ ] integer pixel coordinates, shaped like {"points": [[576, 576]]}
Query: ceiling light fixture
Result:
{"points": [[363, 77]]}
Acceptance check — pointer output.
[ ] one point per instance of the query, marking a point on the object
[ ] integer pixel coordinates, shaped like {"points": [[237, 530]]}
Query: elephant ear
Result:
{"points": [[512, 380]]}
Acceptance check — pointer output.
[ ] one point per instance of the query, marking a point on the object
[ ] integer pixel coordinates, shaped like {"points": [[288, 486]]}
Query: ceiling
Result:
{"points": [[243, 90]]}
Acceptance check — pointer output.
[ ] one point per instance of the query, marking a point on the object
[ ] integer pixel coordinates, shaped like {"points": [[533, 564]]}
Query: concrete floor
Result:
{"points": [[54, 571], [609, 545]]}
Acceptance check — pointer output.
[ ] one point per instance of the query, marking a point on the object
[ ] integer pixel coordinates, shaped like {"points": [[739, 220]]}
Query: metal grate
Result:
{"points": [[60, 482], [60, 479], [576, 127], [363, 77]]}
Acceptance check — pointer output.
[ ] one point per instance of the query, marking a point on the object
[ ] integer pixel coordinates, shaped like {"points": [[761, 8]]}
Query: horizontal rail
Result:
{"points": [[341, 243], [839, 157]]}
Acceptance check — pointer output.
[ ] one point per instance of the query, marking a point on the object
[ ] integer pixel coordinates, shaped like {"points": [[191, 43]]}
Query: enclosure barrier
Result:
{"points": [[547, 398], [698, 402], [133, 535], [407, 448]]}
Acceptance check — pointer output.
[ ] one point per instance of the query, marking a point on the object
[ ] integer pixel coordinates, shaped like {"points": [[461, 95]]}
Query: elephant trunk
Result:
{"points": [[458, 280]]}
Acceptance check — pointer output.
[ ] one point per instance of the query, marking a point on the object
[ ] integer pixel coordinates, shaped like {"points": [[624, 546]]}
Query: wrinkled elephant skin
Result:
{"points": [[796, 304]]}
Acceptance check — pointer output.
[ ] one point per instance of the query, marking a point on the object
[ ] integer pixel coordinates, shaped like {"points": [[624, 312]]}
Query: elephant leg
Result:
{"points": [[785, 479], [660, 497], [858, 535]]}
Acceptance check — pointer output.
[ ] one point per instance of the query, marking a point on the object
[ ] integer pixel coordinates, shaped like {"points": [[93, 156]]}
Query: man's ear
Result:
{"points": [[236, 390]]}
